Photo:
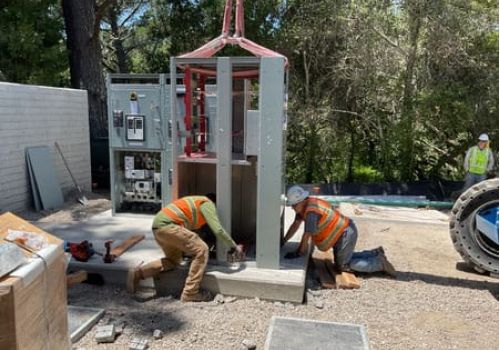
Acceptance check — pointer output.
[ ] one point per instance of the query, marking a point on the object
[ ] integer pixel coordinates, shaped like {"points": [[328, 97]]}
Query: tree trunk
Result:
{"points": [[82, 20], [121, 56], [408, 113]]}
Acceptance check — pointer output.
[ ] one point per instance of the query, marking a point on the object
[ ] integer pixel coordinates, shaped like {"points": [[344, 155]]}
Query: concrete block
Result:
{"points": [[248, 344], [219, 299], [138, 344], [297, 334], [105, 334], [157, 334]]}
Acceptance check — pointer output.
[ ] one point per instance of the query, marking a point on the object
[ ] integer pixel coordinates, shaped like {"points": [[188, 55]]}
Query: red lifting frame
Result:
{"points": [[189, 110], [210, 49], [201, 105], [215, 45]]}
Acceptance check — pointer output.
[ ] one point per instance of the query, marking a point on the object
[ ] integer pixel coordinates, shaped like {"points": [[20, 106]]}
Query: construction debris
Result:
{"points": [[105, 334], [157, 334], [81, 320], [230, 300], [119, 328], [138, 344], [319, 305], [248, 344], [219, 299]]}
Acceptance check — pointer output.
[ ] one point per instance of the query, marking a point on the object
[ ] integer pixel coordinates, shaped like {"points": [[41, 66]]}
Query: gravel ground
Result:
{"points": [[430, 305]]}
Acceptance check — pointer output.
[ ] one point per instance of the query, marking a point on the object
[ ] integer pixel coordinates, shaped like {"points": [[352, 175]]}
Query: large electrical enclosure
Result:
{"points": [[139, 139], [216, 127]]}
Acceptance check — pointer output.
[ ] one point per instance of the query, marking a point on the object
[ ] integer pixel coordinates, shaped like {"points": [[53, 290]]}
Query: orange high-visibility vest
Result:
{"points": [[331, 224], [186, 212]]}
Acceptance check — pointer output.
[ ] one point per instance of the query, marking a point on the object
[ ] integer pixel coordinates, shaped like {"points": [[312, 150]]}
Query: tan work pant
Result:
{"points": [[175, 240]]}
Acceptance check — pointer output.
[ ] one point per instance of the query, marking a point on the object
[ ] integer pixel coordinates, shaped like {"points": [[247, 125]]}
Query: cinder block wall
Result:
{"points": [[37, 116]]}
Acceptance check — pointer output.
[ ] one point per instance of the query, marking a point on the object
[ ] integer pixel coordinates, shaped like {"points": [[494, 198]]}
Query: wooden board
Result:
{"points": [[325, 277], [345, 280], [126, 244], [76, 278]]}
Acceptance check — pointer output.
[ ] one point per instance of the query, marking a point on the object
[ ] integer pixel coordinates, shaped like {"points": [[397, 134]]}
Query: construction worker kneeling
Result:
{"points": [[328, 228], [172, 229]]}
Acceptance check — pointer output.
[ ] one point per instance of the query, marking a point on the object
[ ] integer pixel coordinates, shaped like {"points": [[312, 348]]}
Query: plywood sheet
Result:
{"points": [[43, 171]]}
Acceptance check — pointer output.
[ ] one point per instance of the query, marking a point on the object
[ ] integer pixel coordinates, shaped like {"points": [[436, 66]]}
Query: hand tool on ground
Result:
{"points": [[82, 199], [112, 254], [82, 251], [108, 257]]}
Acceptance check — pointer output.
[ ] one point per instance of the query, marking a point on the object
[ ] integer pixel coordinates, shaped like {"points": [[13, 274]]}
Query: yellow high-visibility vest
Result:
{"points": [[478, 161]]}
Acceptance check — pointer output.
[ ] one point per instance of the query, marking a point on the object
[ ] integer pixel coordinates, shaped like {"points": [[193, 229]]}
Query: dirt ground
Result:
{"points": [[72, 210], [431, 304]]}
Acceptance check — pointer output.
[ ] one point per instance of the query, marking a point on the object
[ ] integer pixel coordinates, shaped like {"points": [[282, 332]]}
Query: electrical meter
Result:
{"points": [[135, 127]]}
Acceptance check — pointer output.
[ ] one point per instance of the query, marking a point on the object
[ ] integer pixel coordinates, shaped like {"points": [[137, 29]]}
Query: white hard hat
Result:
{"points": [[484, 137], [296, 194]]}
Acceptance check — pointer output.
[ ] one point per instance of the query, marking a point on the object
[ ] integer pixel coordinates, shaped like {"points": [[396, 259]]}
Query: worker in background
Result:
{"points": [[328, 228], [173, 231], [479, 161]]}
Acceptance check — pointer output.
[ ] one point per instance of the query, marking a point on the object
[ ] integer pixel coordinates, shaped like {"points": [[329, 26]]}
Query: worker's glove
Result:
{"points": [[236, 254], [292, 255]]}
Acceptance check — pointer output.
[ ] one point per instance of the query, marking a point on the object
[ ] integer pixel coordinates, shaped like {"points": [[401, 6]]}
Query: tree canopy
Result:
{"points": [[379, 89]]}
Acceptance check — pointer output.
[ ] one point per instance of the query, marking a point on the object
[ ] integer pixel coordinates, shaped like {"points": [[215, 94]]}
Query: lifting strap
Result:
{"points": [[217, 44]]}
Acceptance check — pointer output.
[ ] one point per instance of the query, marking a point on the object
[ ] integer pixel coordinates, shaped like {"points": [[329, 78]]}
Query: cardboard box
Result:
{"points": [[33, 298]]}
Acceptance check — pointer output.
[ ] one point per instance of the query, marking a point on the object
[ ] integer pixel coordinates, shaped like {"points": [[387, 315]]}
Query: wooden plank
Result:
{"points": [[76, 278], [126, 244], [345, 280], [11, 221], [325, 278]]}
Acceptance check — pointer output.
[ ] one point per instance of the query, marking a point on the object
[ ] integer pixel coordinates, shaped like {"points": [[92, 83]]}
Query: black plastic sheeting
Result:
{"points": [[432, 190]]}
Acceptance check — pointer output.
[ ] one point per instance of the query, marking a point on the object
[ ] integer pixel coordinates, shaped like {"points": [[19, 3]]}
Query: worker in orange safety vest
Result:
{"points": [[328, 228], [173, 228]]}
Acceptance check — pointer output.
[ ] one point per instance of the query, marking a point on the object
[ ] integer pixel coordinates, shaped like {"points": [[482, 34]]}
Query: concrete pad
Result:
{"points": [[242, 279], [297, 334]]}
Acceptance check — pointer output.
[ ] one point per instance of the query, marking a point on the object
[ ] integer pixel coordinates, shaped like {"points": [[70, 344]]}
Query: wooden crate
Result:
{"points": [[33, 309]]}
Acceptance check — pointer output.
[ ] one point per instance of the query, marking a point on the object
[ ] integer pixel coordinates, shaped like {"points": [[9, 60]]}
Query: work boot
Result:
{"points": [[202, 296], [388, 267], [380, 250], [133, 278]]}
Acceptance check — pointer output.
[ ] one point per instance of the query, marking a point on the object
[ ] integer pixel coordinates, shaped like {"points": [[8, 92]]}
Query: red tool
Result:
{"points": [[82, 251]]}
